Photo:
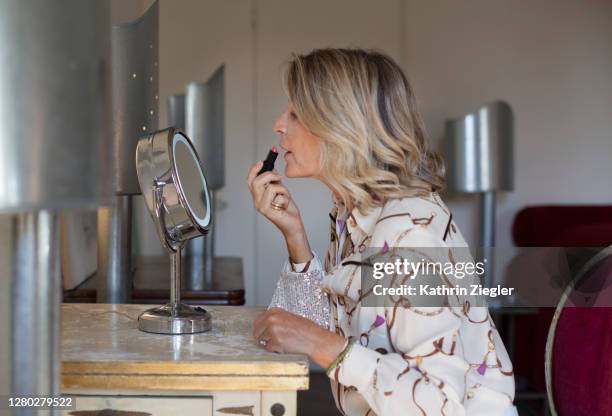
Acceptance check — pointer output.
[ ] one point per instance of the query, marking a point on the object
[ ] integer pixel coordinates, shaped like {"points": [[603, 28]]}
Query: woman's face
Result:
{"points": [[302, 155]]}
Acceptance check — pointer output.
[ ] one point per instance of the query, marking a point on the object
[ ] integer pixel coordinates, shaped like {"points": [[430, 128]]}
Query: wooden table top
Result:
{"points": [[102, 348]]}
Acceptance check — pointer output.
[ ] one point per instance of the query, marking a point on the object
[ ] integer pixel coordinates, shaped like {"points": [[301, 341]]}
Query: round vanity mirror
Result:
{"points": [[191, 180], [175, 190]]}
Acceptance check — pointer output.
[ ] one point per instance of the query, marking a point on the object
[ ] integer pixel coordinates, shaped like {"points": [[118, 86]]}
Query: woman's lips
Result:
{"points": [[286, 154]]}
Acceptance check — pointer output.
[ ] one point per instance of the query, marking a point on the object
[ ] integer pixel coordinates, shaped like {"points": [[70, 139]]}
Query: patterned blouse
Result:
{"points": [[406, 360]]}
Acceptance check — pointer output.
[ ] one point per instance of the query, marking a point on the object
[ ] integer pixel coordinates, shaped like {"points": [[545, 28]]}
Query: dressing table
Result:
{"points": [[109, 365]]}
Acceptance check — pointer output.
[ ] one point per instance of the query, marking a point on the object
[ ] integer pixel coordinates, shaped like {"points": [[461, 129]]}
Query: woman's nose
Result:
{"points": [[280, 125]]}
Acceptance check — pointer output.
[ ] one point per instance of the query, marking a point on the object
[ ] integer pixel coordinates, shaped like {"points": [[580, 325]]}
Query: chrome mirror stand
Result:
{"points": [[174, 220], [175, 317]]}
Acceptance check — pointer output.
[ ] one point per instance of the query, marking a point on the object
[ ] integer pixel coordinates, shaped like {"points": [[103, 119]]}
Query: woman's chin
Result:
{"points": [[290, 173], [293, 173]]}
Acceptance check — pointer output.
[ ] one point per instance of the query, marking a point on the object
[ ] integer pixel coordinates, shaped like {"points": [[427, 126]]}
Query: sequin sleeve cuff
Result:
{"points": [[301, 294]]}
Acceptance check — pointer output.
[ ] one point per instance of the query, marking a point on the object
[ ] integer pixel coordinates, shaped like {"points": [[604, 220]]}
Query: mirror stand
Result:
{"points": [[175, 317], [176, 193]]}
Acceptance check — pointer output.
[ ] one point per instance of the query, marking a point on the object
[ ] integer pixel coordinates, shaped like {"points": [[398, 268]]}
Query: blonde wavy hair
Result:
{"points": [[361, 106]]}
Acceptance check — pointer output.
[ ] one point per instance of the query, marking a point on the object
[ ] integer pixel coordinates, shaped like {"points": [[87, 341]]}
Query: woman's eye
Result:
{"points": [[292, 115]]}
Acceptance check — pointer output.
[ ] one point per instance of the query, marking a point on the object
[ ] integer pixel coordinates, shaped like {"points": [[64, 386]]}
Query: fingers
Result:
{"points": [[261, 182], [253, 179], [259, 326], [282, 200], [253, 172], [274, 192], [271, 342], [263, 320], [263, 327], [266, 188], [269, 195]]}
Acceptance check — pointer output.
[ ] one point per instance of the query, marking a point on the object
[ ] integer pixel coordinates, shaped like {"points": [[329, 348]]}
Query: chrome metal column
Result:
{"points": [[205, 125], [209, 243], [36, 292], [135, 106], [176, 111], [198, 258], [175, 277], [114, 245], [487, 236], [54, 85]]}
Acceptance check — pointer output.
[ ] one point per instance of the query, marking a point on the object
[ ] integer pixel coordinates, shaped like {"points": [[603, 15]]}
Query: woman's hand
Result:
{"points": [[267, 188], [285, 332]]}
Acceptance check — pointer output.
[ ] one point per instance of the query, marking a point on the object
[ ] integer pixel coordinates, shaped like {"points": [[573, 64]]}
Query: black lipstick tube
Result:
{"points": [[268, 164]]}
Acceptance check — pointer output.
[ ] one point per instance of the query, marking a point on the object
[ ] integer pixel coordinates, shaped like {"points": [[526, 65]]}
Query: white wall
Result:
{"points": [[551, 60], [195, 38]]}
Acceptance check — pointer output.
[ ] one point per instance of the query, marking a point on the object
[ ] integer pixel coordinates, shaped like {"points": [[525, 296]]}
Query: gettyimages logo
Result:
{"points": [[427, 268], [451, 276]]}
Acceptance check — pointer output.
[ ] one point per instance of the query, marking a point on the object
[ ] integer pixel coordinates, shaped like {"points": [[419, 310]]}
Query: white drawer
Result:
{"points": [[140, 406]]}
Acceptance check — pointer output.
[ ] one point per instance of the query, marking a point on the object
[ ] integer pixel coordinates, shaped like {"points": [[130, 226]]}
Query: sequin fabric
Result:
{"points": [[301, 294]]}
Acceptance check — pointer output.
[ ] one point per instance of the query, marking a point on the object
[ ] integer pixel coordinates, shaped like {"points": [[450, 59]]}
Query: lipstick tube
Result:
{"points": [[268, 164]]}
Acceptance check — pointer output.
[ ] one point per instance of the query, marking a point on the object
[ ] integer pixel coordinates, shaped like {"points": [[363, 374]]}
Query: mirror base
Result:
{"points": [[175, 319]]}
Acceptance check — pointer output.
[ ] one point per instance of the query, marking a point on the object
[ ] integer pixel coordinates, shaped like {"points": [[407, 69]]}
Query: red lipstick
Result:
{"points": [[268, 164]]}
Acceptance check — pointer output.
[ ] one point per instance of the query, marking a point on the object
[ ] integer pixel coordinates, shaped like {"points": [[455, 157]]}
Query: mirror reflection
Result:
{"points": [[192, 180]]}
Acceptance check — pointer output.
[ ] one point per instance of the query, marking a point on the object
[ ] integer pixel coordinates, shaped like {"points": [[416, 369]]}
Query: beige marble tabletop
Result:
{"points": [[103, 348]]}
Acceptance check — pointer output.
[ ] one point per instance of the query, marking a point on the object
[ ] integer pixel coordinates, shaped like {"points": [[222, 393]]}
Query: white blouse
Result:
{"points": [[406, 360]]}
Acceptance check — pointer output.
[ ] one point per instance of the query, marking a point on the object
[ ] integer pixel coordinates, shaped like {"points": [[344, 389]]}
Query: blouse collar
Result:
{"points": [[363, 223]]}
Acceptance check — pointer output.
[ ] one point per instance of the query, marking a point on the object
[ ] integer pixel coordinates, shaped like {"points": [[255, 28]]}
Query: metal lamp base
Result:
{"points": [[173, 320]]}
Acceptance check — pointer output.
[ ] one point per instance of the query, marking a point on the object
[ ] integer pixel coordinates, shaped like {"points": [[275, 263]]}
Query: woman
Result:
{"points": [[352, 123]]}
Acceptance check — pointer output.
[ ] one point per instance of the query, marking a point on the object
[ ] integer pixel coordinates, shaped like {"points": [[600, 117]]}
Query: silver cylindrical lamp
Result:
{"points": [[54, 156], [205, 125], [176, 111], [135, 105], [480, 159]]}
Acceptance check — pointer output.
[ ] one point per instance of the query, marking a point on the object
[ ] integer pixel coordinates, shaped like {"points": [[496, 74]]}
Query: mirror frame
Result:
{"points": [[162, 189]]}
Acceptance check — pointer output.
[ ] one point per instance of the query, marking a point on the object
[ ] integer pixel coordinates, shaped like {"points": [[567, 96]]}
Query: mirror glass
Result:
{"points": [[191, 179]]}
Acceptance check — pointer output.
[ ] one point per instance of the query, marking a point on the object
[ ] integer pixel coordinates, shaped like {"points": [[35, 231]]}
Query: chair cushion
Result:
{"points": [[582, 362]]}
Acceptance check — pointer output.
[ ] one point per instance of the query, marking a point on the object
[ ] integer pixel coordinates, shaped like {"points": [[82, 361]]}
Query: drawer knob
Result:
{"points": [[277, 409]]}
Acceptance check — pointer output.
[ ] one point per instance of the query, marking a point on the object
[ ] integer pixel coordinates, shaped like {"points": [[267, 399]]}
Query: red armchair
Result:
{"points": [[581, 342]]}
